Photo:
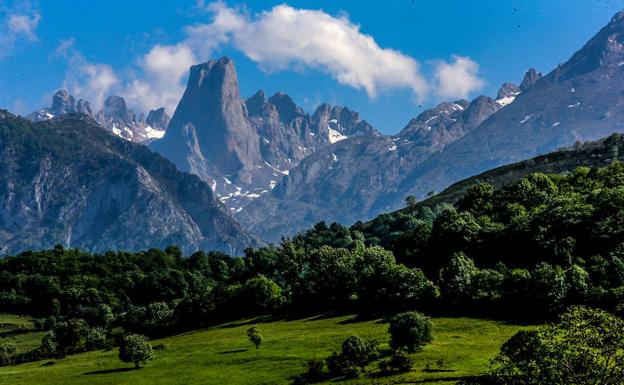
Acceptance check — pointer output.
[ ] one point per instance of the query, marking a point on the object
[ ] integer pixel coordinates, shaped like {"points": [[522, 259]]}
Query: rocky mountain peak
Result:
{"points": [[255, 104], [508, 90], [158, 119], [62, 102], [84, 107], [211, 104], [115, 106], [479, 109], [215, 79], [286, 107], [530, 78]]}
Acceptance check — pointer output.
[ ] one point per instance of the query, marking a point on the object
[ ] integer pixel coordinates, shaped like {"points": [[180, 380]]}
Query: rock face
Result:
{"points": [[67, 181], [242, 148], [114, 116], [349, 180]]}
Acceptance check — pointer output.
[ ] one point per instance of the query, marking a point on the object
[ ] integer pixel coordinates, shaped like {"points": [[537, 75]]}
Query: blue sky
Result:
{"points": [[394, 59]]}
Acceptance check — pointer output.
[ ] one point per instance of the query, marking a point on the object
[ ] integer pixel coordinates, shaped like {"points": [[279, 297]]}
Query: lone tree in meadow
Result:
{"points": [[255, 336], [410, 330], [136, 349]]}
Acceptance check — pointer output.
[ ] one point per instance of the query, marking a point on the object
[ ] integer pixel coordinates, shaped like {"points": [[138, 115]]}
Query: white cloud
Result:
{"points": [[90, 81], [285, 37], [278, 39], [164, 68], [19, 21], [457, 79], [24, 25]]}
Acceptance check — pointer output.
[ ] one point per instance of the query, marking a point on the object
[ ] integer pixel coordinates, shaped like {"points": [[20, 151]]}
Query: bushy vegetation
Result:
{"points": [[585, 347]]}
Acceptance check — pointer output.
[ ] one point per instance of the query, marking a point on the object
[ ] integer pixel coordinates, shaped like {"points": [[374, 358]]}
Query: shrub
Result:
{"points": [[400, 361], [356, 354], [7, 354], [359, 352], [255, 336], [410, 330], [315, 372]]}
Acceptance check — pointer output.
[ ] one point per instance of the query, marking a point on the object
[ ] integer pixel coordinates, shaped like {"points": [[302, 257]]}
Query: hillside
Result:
{"points": [[598, 153], [67, 181]]}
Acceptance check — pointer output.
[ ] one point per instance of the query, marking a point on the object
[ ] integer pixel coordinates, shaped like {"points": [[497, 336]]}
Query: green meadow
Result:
{"points": [[223, 355]]}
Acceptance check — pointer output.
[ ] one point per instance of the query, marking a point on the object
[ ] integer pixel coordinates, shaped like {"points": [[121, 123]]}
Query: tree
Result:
{"points": [[585, 347], [135, 348], [411, 201], [410, 330], [255, 336], [456, 277], [262, 294], [66, 337], [95, 339]]}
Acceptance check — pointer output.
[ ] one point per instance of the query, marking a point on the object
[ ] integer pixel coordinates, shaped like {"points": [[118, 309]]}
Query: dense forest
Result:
{"points": [[530, 249]]}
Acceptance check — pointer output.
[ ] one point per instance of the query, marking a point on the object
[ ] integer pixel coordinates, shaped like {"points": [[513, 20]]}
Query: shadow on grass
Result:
{"points": [[468, 379], [15, 332], [109, 371], [234, 351]]}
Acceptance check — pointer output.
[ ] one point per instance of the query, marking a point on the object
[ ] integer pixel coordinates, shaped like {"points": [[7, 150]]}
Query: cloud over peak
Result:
{"points": [[285, 37], [281, 38]]}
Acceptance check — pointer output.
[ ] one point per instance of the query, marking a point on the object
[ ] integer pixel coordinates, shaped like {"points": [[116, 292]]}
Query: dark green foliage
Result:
{"points": [[356, 354], [66, 337], [136, 349], [254, 334], [410, 330], [315, 372], [7, 354], [359, 352], [400, 361], [585, 347], [261, 294]]}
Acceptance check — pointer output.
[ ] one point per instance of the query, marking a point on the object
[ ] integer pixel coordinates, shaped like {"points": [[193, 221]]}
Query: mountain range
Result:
{"points": [[243, 148], [114, 116], [272, 167], [580, 100]]}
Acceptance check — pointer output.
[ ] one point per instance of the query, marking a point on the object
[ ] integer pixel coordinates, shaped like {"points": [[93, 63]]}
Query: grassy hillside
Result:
{"points": [[223, 355], [591, 154], [19, 331]]}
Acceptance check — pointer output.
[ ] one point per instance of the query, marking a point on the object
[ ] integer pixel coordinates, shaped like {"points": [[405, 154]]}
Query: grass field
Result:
{"points": [[223, 355], [19, 331]]}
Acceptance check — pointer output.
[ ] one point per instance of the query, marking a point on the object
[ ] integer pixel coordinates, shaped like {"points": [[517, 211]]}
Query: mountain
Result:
{"points": [[67, 181], [115, 116], [349, 180], [242, 148], [356, 179], [580, 100]]}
